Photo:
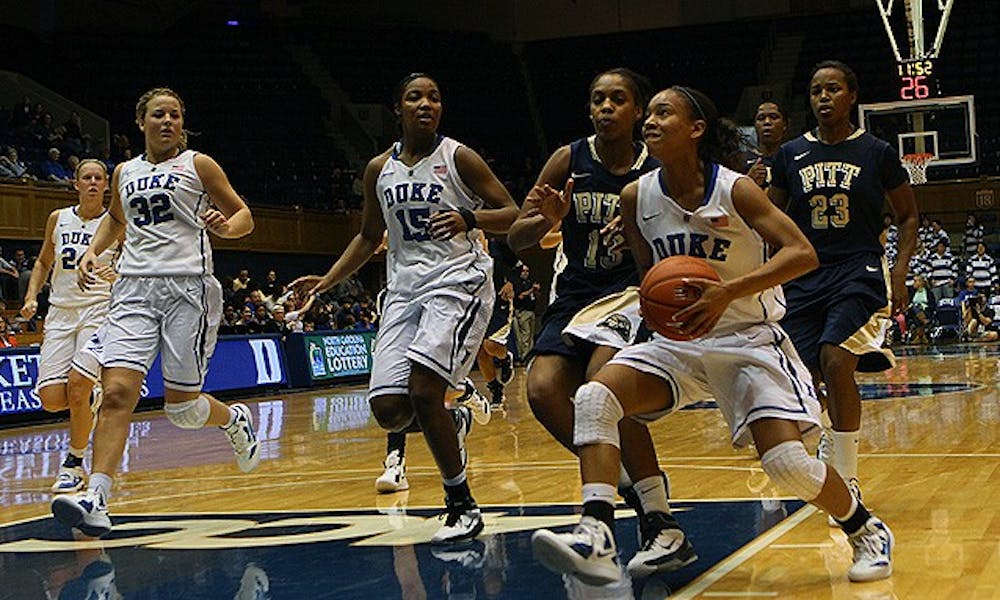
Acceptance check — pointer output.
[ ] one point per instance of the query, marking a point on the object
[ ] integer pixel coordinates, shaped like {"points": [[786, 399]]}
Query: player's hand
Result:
{"points": [[900, 297], [86, 270], [107, 273], [216, 222], [702, 316], [307, 285], [507, 291], [29, 309], [446, 224], [613, 235], [550, 203], [758, 172]]}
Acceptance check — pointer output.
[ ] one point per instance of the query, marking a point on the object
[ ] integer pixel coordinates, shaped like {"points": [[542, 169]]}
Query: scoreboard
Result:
{"points": [[917, 79]]}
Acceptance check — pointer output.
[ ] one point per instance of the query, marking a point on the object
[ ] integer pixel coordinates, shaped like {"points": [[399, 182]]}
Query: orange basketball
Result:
{"points": [[663, 292]]}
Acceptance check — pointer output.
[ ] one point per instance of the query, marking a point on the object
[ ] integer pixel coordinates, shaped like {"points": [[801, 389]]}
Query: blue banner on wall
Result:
{"points": [[239, 362]]}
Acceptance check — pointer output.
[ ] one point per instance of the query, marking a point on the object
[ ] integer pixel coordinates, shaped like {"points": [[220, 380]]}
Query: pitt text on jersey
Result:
{"points": [[413, 218], [595, 207], [828, 174]]}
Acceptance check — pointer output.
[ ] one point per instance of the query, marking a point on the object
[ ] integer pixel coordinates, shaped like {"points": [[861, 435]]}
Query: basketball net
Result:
{"points": [[916, 166]]}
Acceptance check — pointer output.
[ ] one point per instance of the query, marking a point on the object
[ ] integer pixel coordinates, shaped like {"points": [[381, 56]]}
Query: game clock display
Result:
{"points": [[916, 80]]}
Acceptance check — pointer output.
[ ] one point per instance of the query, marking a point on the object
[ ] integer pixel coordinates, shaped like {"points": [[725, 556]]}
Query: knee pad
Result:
{"points": [[791, 468], [192, 414], [596, 415]]}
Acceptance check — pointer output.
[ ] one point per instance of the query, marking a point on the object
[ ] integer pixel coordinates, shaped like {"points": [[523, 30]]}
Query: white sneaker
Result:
{"points": [[479, 405], [855, 489], [666, 549], [872, 552], [588, 552], [461, 523], [393, 479], [243, 438], [69, 480], [86, 511], [463, 425]]}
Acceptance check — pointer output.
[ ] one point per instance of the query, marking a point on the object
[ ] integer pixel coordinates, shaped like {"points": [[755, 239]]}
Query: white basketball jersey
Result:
{"points": [[163, 234], [415, 263], [71, 237], [715, 232]]}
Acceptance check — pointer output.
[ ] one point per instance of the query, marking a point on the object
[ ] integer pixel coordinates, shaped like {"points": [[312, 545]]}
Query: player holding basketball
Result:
{"points": [[592, 266], [431, 193], [833, 182], [74, 316], [166, 300], [695, 206]]}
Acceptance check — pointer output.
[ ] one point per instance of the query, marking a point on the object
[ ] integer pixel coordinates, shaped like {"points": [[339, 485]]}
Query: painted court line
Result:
{"points": [[713, 575]]}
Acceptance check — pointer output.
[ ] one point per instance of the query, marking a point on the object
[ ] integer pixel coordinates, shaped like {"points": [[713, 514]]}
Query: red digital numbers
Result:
{"points": [[914, 88]]}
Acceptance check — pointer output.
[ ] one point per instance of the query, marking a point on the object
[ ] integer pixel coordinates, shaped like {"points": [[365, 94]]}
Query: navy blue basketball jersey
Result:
{"points": [[750, 159], [591, 267], [836, 192]]}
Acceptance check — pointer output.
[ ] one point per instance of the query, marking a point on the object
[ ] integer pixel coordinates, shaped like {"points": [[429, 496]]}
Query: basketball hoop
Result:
{"points": [[916, 166]]}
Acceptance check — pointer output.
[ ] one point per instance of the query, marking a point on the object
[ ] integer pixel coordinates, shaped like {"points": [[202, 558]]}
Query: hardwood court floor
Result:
{"points": [[930, 467]]}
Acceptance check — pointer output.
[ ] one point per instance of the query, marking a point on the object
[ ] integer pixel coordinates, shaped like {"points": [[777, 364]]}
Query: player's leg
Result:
{"points": [[552, 381], [844, 407], [617, 392], [786, 461], [496, 366]]}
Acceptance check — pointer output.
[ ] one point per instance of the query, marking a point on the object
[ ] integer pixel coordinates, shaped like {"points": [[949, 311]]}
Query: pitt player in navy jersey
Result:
{"points": [[771, 126], [591, 173], [433, 196], [833, 182], [741, 357]]}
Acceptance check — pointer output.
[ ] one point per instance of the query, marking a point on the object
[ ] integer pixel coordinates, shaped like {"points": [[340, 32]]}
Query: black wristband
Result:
{"points": [[469, 217]]}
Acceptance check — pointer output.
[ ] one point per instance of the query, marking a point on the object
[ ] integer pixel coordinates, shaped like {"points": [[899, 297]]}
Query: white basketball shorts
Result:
{"points": [[177, 317], [612, 321], [752, 374], [442, 331], [66, 333]]}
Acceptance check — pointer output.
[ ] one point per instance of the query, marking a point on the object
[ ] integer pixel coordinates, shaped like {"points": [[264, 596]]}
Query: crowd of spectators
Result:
{"points": [[33, 147], [273, 307], [945, 274]]}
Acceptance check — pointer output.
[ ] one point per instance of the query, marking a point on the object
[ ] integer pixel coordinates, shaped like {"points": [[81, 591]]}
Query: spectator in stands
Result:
{"points": [[771, 126], [11, 166], [943, 272], [10, 278], [977, 318], [968, 292], [271, 288], [983, 269], [23, 265], [919, 264], [52, 170], [939, 235], [242, 281], [920, 311], [973, 235], [246, 324], [293, 316], [265, 324], [7, 338], [890, 239], [925, 233]]}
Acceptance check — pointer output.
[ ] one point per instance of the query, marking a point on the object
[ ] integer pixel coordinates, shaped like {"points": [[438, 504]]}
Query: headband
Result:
{"points": [[692, 100]]}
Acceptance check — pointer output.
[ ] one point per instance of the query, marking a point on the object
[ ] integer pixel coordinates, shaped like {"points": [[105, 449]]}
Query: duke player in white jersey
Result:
{"points": [[75, 315], [695, 206], [431, 194], [166, 300]]}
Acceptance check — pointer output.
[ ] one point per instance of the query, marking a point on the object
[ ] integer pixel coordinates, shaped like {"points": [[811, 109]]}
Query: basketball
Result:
{"points": [[663, 293]]}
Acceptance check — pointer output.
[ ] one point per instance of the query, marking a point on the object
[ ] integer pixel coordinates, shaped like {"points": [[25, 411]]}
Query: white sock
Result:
{"points": [[824, 420], [652, 494], [100, 482], [77, 452], [600, 492], [232, 418], [845, 453]]}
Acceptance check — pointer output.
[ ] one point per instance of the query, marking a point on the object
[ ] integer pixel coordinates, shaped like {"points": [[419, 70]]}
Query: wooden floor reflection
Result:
{"points": [[930, 466]]}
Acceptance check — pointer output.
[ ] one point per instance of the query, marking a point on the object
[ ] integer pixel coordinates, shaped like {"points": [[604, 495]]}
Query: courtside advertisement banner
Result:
{"points": [[239, 362]]}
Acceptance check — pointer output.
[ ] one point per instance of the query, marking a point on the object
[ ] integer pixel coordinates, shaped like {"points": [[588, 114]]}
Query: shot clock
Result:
{"points": [[917, 80]]}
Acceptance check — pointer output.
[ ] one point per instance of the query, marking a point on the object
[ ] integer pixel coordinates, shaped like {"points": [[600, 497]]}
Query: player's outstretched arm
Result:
{"points": [[231, 217], [362, 246], [542, 213], [40, 272]]}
